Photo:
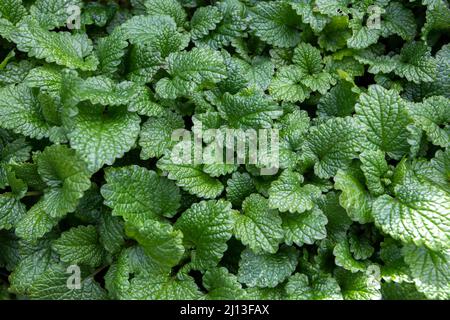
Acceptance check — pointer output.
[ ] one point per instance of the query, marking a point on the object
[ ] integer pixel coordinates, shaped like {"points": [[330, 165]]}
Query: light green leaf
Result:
{"points": [[430, 115], [258, 227], [430, 270], [53, 13], [100, 137], [417, 213], [63, 48], [275, 23], [192, 178], [11, 211], [110, 51], [158, 32], [155, 137], [189, 70], [20, 111], [239, 186], [66, 176], [160, 242], [287, 85], [354, 198], [417, 64], [52, 285], [204, 20], [374, 167], [222, 285], [288, 194], [299, 287], [80, 245], [12, 10], [304, 228], [171, 8], [358, 286], [384, 117], [267, 270], [206, 227], [138, 194], [249, 108], [345, 259], [36, 223], [333, 144]]}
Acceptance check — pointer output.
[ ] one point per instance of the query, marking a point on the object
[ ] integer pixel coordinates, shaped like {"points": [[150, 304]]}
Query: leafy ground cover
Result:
{"points": [[91, 91]]}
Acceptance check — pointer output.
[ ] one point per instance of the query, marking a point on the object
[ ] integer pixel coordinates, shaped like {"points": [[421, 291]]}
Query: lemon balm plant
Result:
{"points": [[92, 205]]}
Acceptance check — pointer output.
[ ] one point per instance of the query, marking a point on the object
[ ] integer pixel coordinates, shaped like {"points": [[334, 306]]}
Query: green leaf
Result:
{"points": [[160, 242], [110, 51], [155, 137], [12, 10], [138, 194], [258, 227], [394, 269], [248, 109], [111, 232], [162, 287], [104, 91], [275, 23], [338, 102], [304, 228], [299, 287], [191, 178], [66, 176], [222, 285], [309, 61], [436, 171], [204, 20], [11, 211], [32, 265], [354, 198], [259, 72], [239, 187], [430, 270], [143, 63], [363, 36], [338, 220], [267, 270], [20, 111], [360, 246], [53, 13], [374, 167], [189, 70], [358, 286], [398, 20], [287, 85], [158, 32], [72, 51], [307, 10], [417, 213], [384, 117], [80, 245], [400, 291], [333, 144], [430, 115], [288, 194], [102, 136], [206, 227], [36, 223], [52, 285], [416, 63], [171, 8], [437, 17], [345, 259]]}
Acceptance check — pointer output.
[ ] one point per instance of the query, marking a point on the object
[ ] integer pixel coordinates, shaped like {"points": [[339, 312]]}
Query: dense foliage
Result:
{"points": [[358, 89]]}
